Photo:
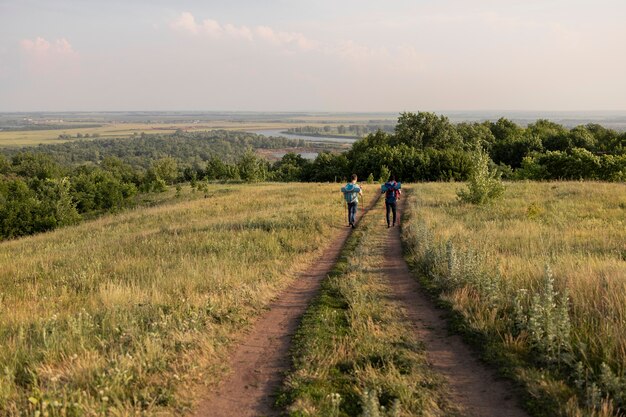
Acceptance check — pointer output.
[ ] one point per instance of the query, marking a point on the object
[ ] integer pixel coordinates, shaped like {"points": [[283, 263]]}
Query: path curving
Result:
{"points": [[474, 387], [261, 358]]}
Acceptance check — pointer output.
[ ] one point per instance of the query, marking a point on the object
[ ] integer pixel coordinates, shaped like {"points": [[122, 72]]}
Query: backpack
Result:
{"points": [[392, 191], [351, 192]]}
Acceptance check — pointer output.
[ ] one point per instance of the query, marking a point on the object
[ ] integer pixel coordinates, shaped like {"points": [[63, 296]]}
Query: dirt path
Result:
{"points": [[474, 387], [261, 358]]}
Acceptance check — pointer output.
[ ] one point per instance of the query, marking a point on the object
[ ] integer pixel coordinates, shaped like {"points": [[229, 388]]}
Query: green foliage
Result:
{"points": [[370, 178], [384, 174], [166, 169], [484, 184], [547, 322], [289, 168], [327, 167], [252, 168], [575, 164], [44, 205], [425, 130], [476, 136]]}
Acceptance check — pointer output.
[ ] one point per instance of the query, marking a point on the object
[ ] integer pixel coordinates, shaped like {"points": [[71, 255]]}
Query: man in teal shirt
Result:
{"points": [[351, 193]]}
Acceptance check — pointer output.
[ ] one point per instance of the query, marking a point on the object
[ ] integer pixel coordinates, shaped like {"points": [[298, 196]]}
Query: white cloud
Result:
{"points": [[41, 46], [285, 38], [187, 23], [400, 57], [41, 56]]}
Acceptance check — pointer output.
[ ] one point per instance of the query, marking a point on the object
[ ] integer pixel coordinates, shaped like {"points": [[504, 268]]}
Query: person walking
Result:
{"points": [[392, 191], [351, 192]]}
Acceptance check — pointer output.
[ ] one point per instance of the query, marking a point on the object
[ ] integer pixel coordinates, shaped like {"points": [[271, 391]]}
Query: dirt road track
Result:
{"points": [[473, 386], [261, 357]]}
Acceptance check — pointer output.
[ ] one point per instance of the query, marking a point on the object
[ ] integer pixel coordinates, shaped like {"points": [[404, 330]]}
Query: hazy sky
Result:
{"points": [[325, 55]]}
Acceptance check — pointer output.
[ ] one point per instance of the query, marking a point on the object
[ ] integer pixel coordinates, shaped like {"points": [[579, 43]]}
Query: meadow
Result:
{"points": [[131, 313], [537, 281]]}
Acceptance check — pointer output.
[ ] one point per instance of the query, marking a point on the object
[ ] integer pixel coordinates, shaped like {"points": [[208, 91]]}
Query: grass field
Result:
{"points": [[116, 130], [126, 314], [355, 352], [539, 279]]}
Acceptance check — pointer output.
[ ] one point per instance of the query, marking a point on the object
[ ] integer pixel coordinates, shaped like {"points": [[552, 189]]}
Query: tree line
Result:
{"points": [[48, 186], [53, 185], [355, 131], [428, 147]]}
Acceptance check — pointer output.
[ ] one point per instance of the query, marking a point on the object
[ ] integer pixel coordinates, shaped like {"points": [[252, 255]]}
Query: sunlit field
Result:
{"points": [[117, 130], [543, 274], [128, 313]]}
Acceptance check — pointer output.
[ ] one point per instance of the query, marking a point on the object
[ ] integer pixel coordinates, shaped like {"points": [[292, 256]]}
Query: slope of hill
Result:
{"points": [[123, 313]]}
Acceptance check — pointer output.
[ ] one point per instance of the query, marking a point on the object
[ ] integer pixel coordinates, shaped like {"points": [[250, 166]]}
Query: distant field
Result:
{"points": [[563, 327], [114, 130], [124, 314]]}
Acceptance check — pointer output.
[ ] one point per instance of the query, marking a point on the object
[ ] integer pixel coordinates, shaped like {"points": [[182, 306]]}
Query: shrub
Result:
{"points": [[484, 184]]}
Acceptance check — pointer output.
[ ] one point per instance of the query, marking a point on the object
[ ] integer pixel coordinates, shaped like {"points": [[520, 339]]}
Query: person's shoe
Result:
{"points": [[387, 226], [353, 226]]}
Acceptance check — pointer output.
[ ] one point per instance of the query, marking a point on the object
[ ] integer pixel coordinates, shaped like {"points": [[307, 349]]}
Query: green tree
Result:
{"points": [[65, 207], [166, 169], [384, 174], [289, 167], [425, 130], [251, 167]]}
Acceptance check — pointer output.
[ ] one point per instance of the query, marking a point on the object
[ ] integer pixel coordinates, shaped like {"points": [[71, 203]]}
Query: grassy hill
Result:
{"points": [[538, 280], [126, 313]]}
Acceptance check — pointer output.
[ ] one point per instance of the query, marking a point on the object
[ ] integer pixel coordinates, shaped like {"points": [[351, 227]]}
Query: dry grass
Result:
{"points": [[577, 229], [123, 314]]}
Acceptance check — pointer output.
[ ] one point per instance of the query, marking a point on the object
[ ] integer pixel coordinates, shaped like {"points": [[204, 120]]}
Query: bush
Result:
{"points": [[484, 184]]}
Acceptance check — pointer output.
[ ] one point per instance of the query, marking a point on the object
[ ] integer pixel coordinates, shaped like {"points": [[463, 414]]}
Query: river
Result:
{"points": [[278, 132]]}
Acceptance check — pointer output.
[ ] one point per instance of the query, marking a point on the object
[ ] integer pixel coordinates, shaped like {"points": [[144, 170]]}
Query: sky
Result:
{"points": [[321, 55]]}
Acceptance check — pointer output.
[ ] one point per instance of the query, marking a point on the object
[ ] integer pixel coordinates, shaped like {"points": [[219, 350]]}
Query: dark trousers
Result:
{"points": [[352, 212], [391, 207]]}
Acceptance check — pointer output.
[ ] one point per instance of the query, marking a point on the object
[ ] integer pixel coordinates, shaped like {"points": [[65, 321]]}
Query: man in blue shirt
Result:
{"points": [[392, 192]]}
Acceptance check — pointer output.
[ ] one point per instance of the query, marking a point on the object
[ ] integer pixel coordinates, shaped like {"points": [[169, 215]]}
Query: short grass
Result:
{"points": [[354, 351], [126, 314], [565, 337]]}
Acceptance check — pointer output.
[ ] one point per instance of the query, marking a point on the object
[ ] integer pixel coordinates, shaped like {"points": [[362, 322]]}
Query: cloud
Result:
{"points": [[401, 57], [285, 38], [187, 23], [42, 47], [41, 56]]}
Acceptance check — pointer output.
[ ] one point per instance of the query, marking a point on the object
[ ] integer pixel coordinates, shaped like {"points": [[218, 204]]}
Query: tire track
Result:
{"points": [[474, 387], [261, 357]]}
